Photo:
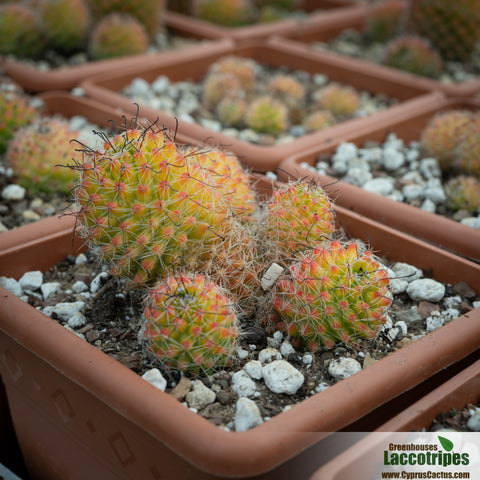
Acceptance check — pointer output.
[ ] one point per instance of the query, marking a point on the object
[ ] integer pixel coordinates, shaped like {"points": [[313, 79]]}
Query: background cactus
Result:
{"points": [[15, 112], [117, 35], [342, 101], [463, 193], [468, 151], [39, 154], [267, 115], [385, 20], [218, 86], [190, 324], [244, 69], [229, 13], [413, 54], [333, 295], [20, 32], [65, 24], [145, 206], [318, 120], [231, 110]]}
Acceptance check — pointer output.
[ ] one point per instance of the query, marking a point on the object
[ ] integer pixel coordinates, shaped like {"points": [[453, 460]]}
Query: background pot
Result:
{"points": [[188, 65], [78, 412], [446, 233]]}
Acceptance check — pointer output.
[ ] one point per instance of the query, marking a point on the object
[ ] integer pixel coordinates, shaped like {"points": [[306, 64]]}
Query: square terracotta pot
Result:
{"points": [[323, 10], [79, 413], [317, 29], [441, 231], [194, 65], [362, 460]]}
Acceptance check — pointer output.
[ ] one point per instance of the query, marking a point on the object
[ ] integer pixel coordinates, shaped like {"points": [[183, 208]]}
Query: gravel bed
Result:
{"points": [[269, 374], [463, 420]]}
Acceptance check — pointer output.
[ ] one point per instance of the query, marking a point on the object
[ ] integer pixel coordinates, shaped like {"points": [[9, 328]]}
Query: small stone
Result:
{"points": [[428, 206], [13, 193], [472, 222], [3, 228], [242, 384], [242, 353], [48, 289], [224, 398], [181, 389], [402, 326], [398, 285], [406, 272], [381, 185], [286, 348], [426, 289], [464, 290], [11, 285], [392, 333], [473, 422], [268, 354], [452, 302], [155, 377], [393, 159], [345, 152], [30, 216], [81, 258], [434, 321], [64, 310], [254, 369], [79, 286], [368, 360], [247, 415], [343, 367], [98, 281], [200, 396], [425, 309], [413, 191], [77, 320], [307, 358], [271, 276], [31, 280], [430, 168], [281, 377]]}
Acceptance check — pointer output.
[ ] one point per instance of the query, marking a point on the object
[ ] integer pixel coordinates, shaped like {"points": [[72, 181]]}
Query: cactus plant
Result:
{"points": [[452, 27], [342, 101], [20, 33], [244, 69], [65, 23], [298, 216], [385, 20], [217, 86], [117, 35], [144, 206], [318, 120], [441, 135], [231, 110], [413, 54], [332, 295], [267, 115], [190, 324], [468, 151], [463, 193], [15, 112], [39, 155], [228, 13]]}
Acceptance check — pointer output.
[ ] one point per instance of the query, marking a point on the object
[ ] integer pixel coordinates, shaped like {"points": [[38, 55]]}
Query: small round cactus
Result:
{"points": [[20, 32], [299, 216], [15, 112], [413, 54], [333, 295], [463, 193], [384, 20], [441, 136], [40, 155], [65, 23], [318, 120], [244, 69], [468, 151], [117, 35], [286, 88], [228, 13], [190, 324], [342, 101], [144, 206], [267, 115], [218, 86], [231, 110]]}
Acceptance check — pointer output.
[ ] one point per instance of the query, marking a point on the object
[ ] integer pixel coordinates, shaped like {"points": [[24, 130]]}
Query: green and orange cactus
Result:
{"points": [[342, 101], [267, 115], [228, 13], [468, 151], [244, 69], [385, 20], [463, 193], [218, 86], [318, 120]]}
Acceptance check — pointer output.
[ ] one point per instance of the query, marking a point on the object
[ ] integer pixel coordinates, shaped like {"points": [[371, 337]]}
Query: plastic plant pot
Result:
{"points": [[78, 412], [448, 234], [193, 66]]}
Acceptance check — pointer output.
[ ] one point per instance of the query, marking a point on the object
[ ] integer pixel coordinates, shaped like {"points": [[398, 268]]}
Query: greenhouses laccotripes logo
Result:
{"points": [[413, 454]]}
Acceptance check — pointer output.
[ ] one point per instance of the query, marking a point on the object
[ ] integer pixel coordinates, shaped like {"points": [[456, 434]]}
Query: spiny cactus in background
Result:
{"points": [[15, 112], [39, 155], [441, 135], [144, 206], [453, 27], [334, 294], [150, 13], [463, 193], [20, 33], [117, 35], [231, 110], [228, 13], [342, 101], [190, 324], [288, 5], [244, 69], [65, 24], [385, 20], [289, 91], [318, 120], [217, 86], [413, 54], [267, 115], [269, 13], [468, 151], [298, 216]]}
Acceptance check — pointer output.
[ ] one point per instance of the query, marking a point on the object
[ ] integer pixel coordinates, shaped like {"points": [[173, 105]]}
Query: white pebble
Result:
{"points": [[413, 191], [31, 280], [430, 168], [406, 272], [472, 222], [271, 176], [398, 285], [268, 354], [11, 285], [254, 369], [98, 281], [307, 359], [155, 377], [381, 185], [77, 320], [48, 289], [199, 396], [346, 151], [428, 206], [343, 367], [242, 384], [79, 286], [282, 377], [286, 348], [271, 276], [426, 289], [402, 326], [434, 321], [322, 386], [64, 310], [13, 193], [452, 302], [242, 353], [392, 159], [247, 415], [81, 258], [278, 336], [473, 422]]}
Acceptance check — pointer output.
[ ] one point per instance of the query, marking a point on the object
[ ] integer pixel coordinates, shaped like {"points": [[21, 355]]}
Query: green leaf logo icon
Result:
{"points": [[446, 443]]}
